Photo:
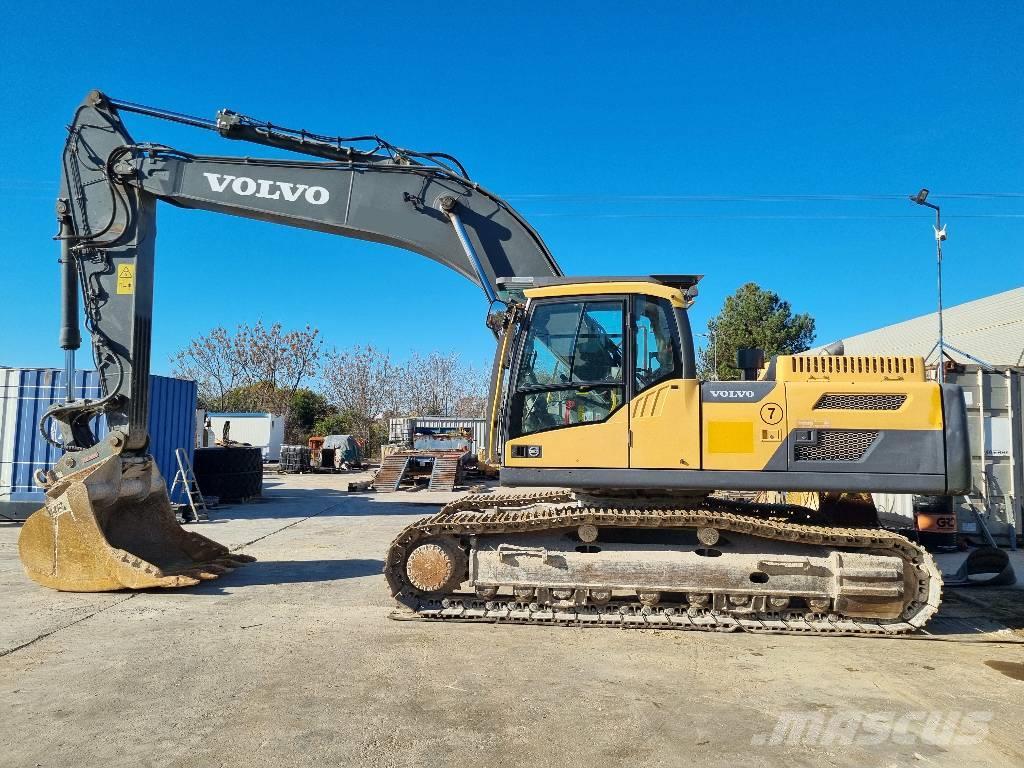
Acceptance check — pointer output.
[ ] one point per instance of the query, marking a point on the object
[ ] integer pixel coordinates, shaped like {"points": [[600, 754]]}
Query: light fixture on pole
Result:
{"points": [[921, 198]]}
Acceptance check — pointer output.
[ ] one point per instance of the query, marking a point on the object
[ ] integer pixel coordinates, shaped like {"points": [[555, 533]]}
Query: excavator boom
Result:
{"points": [[121, 531]]}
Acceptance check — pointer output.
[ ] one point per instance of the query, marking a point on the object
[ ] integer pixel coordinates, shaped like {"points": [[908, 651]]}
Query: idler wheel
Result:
{"points": [[436, 566], [708, 536]]}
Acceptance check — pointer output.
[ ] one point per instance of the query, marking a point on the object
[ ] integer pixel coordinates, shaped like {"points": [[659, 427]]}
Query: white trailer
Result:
{"points": [[263, 430]]}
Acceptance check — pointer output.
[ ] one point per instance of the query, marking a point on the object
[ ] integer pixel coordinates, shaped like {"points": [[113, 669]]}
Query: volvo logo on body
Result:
{"points": [[267, 189], [733, 393]]}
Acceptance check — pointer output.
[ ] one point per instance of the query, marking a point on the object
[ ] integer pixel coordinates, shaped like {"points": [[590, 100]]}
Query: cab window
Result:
{"points": [[571, 366], [656, 343]]}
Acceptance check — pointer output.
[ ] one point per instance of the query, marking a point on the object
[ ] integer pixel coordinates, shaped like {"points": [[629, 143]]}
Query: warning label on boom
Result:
{"points": [[126, 278]]}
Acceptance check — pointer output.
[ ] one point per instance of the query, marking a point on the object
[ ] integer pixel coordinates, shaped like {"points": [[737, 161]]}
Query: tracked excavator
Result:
{"points": [[612, 446]]}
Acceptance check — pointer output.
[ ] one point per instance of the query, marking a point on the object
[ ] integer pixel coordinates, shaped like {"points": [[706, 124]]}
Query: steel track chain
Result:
{"points": [[491, 514]]}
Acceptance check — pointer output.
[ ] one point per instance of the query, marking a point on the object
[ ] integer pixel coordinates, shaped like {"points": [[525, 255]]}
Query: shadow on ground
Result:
{"points": [[288, 503], [265, 572], [979, 609]]}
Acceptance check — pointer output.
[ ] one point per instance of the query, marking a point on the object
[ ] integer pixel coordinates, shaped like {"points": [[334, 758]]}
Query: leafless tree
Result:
{"points": [[363, 383], [441, 385], [471, 406], [367, 386], [210, 361], [271, 356], [256, 368]]}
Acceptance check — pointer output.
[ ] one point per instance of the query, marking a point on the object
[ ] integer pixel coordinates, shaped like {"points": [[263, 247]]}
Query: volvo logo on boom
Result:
{"points": [[267, 189]]}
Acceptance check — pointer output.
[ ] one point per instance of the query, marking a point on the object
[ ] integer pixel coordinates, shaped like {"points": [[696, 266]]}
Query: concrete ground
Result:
{"points": [[294, 661]]}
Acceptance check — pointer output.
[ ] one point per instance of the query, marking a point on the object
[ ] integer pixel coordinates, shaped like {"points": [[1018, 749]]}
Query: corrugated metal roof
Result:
{"points": [[991, 329]]}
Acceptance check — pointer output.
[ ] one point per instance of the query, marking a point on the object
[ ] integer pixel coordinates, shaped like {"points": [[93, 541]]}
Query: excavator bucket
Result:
{"points": [[110, 526]]}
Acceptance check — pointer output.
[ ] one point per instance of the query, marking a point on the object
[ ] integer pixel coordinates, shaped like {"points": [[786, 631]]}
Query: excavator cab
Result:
{"points": [[604, 378]]}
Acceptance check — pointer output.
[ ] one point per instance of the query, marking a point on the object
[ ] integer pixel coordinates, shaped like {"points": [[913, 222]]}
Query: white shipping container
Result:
{"points": [[262, 430]]}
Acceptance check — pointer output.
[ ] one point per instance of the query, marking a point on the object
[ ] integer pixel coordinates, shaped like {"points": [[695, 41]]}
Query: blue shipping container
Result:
{"points": [[26, 393]]}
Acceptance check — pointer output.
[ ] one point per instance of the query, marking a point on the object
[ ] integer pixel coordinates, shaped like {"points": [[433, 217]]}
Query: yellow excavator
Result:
{"points": [[618, 452]]}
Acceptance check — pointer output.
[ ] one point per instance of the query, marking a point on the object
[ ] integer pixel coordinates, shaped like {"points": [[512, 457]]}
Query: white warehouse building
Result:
{"points": [[990, 329]]}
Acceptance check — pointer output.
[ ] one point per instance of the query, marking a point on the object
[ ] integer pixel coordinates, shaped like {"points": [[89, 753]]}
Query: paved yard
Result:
{"points": [[293, 661]]}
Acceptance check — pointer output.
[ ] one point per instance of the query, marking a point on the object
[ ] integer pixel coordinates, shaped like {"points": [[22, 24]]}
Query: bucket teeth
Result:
{"points": [[206, 574], [176, 582], [86, 540]]}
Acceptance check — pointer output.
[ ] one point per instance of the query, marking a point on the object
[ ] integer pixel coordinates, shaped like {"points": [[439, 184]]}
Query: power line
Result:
{"points": [[747, 198], [757, 216], [23, 186], [696, 198]]}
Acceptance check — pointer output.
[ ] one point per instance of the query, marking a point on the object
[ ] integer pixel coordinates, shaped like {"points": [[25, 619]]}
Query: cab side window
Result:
{"points": [[656, 343], [571, 366]]}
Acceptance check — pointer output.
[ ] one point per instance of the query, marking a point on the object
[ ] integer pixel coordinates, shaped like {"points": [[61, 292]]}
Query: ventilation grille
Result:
{"points": [[860, 402], [826, 365], [837, 445]]}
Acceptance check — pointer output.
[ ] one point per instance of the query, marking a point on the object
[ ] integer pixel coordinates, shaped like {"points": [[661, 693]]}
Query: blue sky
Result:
{"points": [[599, 121]]}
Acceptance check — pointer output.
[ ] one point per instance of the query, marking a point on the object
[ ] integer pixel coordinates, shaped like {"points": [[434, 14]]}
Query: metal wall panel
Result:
{"points": [[172, 425], [26, 393], [995, 401], [400, 430]]}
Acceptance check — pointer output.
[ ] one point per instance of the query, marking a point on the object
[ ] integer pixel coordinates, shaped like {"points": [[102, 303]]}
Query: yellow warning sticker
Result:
{"points": [[126, 278]]}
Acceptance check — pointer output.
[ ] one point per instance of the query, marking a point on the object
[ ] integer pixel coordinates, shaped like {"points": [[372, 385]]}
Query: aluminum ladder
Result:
{"points": [[186, 479]]}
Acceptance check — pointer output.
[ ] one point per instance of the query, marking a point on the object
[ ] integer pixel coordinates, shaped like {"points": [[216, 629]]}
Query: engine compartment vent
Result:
{"points": [[852, 368], [860, 401], [836, 445]]}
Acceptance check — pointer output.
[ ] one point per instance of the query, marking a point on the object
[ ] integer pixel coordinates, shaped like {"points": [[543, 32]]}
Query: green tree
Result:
{"points": [[304, 410], [337, 423], [752, 317]]}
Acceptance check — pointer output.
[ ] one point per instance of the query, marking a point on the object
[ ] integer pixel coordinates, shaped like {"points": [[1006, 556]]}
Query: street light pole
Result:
{"points": [[921, 198], [713, 340]]}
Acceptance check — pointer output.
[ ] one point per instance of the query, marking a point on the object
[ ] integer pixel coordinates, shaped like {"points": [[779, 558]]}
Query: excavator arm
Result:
{"points": [[108, 523], [421, 202]]}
